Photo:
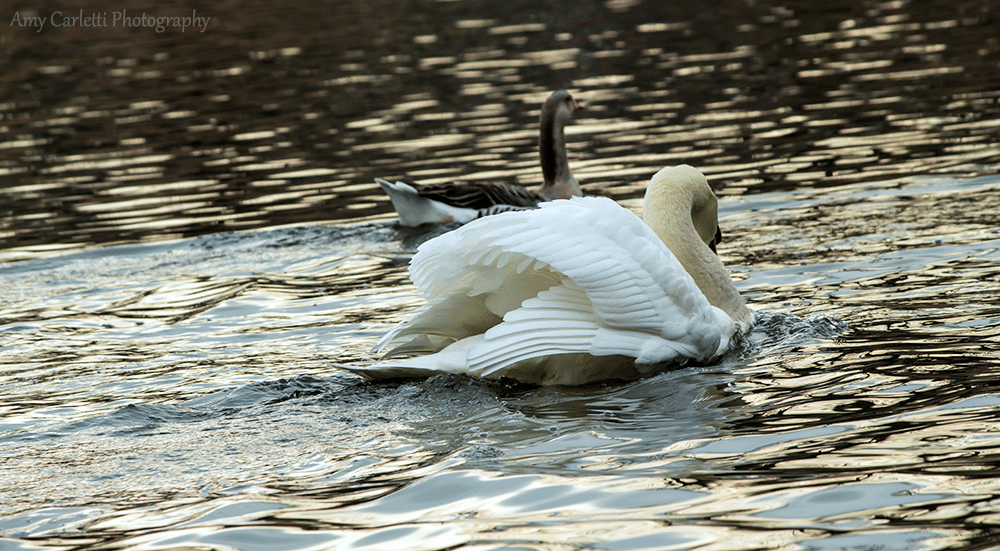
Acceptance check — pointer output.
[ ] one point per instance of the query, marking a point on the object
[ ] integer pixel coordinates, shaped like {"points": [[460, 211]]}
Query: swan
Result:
{"points": [[574, 292], [463, 202]]}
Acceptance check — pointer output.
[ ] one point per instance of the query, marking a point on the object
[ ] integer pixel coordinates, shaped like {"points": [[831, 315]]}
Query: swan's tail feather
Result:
{"points": [[389, 373]]}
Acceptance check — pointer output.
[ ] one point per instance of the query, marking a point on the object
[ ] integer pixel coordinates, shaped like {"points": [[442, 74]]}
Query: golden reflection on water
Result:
{"points": [[784, 97]]}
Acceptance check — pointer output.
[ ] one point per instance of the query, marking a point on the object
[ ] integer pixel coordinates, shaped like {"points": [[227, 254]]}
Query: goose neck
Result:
{"points": [[558, 179]]}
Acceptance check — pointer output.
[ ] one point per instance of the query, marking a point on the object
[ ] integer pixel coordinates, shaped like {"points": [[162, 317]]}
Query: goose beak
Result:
{"points": [[577, 106]]}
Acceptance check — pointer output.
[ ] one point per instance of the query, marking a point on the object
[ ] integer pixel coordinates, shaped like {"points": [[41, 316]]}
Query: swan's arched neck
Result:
{"points": [[682, 210]]}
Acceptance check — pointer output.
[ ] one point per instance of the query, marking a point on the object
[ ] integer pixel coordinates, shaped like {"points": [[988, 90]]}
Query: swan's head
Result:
{"points": [[680, 192], [559, 108]]}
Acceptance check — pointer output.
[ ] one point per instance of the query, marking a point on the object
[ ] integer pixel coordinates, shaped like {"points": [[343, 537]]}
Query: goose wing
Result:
{"points": [[479, 195]]}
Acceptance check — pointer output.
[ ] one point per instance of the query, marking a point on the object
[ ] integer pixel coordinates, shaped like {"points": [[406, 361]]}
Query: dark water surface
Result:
{"points": [[191, 241]]}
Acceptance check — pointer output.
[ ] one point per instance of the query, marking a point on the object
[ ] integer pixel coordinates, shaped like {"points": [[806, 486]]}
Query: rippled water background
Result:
{"points": [[191, 242]]}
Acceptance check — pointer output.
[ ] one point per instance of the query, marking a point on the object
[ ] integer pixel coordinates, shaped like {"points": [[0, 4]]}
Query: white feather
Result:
{"points": [[574, 281]]}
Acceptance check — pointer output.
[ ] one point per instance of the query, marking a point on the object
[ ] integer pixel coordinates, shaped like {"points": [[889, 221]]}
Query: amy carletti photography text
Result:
{"points": [[110, 19]]}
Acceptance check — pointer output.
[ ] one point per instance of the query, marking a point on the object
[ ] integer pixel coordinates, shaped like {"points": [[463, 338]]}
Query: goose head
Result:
{"points": [[558, 180], [683, 212], [559, 108]]}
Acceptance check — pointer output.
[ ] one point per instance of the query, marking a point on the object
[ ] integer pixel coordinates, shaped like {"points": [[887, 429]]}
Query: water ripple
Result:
{"points": [[169, 375]]}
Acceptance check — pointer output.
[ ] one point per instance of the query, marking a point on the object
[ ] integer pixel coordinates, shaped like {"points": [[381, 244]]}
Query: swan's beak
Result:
{"points": [[577, 106], [716, 240]]}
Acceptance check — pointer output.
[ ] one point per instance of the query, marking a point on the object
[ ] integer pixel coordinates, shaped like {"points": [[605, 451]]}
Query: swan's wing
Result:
{"points": [[599, 282], [461, 302], [623, 293], [562, 320], [438, 324]]}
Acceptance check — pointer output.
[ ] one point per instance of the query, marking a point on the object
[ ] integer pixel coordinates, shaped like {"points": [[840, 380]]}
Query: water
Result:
{"points": [[191, 243]]}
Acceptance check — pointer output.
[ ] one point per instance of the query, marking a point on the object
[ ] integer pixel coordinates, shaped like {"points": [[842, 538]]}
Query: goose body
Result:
{"points": [[417, 204], [463, 202], [577, 291]]}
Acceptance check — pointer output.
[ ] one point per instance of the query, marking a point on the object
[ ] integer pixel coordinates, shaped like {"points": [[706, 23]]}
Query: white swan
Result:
{"points": [[577, 291], [462, 202]]}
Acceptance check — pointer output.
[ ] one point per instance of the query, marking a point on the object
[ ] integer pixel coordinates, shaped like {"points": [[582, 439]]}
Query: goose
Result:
{"points": [[575, 292], [463, 202]]}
